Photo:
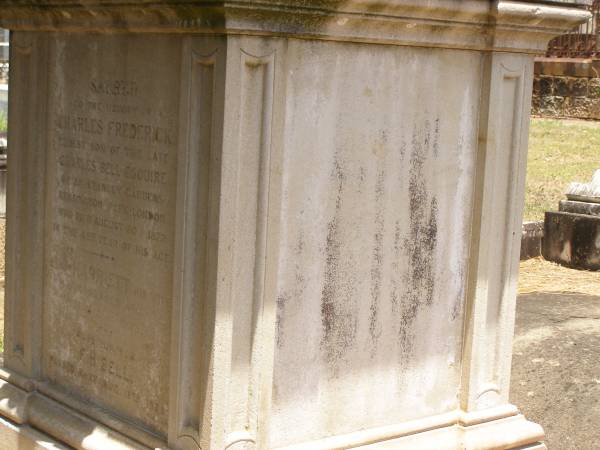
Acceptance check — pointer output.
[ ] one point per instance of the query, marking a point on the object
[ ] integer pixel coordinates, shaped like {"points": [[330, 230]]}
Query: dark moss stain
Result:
{"points": [[457, 307], [420, 243], [377, 255], [402, 150], [395, 283], [284, 298], [436, 146], [338, 322], [362, 178]]}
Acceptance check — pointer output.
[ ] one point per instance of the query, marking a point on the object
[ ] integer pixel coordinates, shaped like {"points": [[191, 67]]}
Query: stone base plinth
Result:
{"points": [[491, 429], [572, 240], [531, 240]]}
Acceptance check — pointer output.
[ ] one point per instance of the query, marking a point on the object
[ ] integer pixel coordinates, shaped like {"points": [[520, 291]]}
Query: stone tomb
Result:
{"points": [[266, 225], [572, 234]]}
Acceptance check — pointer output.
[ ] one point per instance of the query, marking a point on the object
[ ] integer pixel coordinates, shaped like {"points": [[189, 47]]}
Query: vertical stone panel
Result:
{"points": [[254, 146], [26, 182], [196, 243], [499, 180]]}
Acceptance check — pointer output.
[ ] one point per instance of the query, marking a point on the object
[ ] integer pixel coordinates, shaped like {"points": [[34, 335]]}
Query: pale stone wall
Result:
{"points": [[366, 300]]}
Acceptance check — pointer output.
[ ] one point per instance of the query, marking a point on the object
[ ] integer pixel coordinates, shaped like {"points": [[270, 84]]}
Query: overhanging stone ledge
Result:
{"points": [[475, 24]]}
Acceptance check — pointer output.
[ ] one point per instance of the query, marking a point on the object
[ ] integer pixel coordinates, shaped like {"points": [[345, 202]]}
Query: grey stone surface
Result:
{"points": [[555, 367], [572, 240], [531, 240], [571, 206]]}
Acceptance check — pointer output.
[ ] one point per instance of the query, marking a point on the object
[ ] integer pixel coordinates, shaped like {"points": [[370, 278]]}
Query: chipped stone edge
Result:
{"points": [[514, 26]]}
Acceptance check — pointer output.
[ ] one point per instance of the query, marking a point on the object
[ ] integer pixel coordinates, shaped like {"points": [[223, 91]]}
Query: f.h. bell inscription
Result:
{"points": [[110, 227]]}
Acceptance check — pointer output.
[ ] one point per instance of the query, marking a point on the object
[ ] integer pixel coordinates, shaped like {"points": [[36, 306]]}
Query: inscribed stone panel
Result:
{"points": [[111, 164]]}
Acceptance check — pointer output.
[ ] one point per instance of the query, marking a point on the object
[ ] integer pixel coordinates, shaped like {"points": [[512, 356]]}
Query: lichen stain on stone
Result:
{"points": [[402, 150], [284, 298], [458, 301], [396, 285], [436, 141], [377, 256], [337, 318], [420, 243]]}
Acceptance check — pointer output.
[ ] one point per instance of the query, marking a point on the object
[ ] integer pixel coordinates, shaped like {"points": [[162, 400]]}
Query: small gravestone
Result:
{"points": [[572, 234], [531, 240]]}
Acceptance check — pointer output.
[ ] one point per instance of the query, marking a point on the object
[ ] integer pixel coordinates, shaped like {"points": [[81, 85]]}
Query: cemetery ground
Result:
{"points": [[556, 361]]}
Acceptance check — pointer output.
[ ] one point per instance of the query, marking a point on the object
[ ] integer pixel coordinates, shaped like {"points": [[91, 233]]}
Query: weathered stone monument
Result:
{"points": [[277, 224], [572, 234]]}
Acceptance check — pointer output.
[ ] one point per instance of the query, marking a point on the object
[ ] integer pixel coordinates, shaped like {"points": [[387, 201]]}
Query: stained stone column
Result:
{"points": [[276, 224]]}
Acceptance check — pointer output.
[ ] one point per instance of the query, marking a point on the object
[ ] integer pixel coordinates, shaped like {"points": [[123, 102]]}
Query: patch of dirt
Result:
{"points": [[539, 275], [555, 368], [555, 379]]}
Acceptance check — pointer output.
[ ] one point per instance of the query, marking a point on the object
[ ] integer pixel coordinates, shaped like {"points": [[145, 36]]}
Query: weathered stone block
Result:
{"points": [[545, 86], [577, 107], [552, 106], [594, 88], [562, 86], [561, 67], [578, 87], [571, 206], [572, 240], [531, 240], [535, 104], [594, 108]]}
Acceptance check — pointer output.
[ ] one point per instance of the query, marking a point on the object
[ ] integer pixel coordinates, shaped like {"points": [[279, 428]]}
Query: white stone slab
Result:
{"points": [[585, 192]]}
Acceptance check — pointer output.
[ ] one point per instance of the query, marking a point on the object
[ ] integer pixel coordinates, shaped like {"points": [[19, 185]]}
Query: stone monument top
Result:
{"points": [[474, 24]]}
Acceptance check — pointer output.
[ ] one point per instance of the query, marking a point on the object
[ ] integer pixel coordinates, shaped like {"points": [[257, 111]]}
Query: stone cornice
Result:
{"points": [[472, 24]]}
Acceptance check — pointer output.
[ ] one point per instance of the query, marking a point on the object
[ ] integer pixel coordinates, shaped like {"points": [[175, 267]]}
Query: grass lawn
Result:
{"points": [[560, 151]]}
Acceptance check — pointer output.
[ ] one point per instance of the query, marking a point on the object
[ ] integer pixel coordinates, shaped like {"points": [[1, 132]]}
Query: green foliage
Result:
{"points": [[3, 122], [560, 151]]}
